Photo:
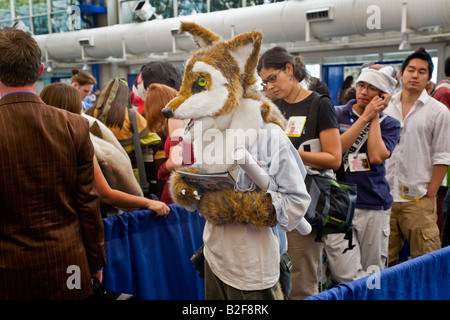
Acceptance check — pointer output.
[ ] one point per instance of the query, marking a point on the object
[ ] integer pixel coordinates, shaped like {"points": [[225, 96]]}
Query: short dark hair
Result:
{"points": [[20, 58], [278, 57], [315, 84], [419, 54]]}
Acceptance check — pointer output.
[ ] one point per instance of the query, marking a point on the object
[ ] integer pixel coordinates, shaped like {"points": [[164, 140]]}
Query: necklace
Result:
{"points": [[300, 90]]}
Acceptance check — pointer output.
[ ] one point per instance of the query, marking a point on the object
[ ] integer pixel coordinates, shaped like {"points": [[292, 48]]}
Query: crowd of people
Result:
{"points": [[61, 171]]}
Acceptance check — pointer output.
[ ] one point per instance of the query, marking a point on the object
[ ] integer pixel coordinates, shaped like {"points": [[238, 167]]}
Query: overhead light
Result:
{"points": [[21, 26], [405, 45], [85, 67], [144, 10], [86, 42], [49, 68]]}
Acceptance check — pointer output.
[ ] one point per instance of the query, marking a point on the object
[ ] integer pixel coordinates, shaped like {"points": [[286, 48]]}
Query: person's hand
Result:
{"points": [[97, 275], [386, 98], [433, 197], [161, 209], [375, 107]]}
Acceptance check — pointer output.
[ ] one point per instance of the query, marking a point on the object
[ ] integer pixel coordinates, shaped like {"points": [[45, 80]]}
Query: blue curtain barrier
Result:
{"points": [[424, 278], [149, 257]]}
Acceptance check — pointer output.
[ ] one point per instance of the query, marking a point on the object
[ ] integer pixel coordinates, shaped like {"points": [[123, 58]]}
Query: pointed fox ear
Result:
{"points": [[202, 36], [245, 50]]}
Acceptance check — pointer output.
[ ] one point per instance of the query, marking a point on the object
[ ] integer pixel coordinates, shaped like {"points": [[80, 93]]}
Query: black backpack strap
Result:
{"points": [[349, 236], [311, 120], [138, 152], [319, 228], [312, 117]]}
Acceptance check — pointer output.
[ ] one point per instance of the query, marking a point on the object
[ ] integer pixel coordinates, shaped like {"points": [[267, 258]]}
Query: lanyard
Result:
{"points": [[351, 116], [360, 140]]}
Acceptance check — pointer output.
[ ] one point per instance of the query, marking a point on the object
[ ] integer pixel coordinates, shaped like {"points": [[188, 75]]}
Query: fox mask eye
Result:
{"points": [[199, 85]]}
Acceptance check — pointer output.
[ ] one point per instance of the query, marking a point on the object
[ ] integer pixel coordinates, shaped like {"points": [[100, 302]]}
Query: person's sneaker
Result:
{"points": [[101, 293]]}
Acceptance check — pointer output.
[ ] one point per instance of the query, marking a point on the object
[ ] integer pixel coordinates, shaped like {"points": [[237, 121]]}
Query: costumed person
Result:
{"points": [[244, 233], [84, 83], [282, 75], [153, 72], [368, 138], [114, 161], [171, 132], [113, 108]]}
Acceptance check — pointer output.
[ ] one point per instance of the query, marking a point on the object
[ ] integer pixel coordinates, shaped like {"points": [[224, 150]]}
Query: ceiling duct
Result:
{"points": [[323, 14], [279, 22]]}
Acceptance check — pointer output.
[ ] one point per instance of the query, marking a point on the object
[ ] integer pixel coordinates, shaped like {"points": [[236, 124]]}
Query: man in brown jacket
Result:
{"points": [[51, 232]]}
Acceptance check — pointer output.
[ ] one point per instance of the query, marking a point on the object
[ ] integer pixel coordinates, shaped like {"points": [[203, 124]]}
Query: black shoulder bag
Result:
{"points": [[332, 202]]}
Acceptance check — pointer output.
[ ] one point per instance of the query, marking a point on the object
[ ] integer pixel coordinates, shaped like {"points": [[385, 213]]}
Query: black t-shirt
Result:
{"points": [[326, 117]]}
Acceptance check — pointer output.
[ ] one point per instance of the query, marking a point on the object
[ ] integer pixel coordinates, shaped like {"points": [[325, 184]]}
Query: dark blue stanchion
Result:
{"points": [[424, 278], [149, 256]]}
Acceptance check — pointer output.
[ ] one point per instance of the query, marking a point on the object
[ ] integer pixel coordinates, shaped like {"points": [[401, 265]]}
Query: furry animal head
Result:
{"points": [[216, 75]]}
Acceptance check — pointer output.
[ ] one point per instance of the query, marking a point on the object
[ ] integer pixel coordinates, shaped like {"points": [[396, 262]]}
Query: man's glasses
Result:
{"points": [[370, 89], [272, 78]]}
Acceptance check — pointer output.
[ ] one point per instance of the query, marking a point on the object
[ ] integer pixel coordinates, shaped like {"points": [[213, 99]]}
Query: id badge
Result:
{"points": [[358, 162], [410, 193], [295, 126]]}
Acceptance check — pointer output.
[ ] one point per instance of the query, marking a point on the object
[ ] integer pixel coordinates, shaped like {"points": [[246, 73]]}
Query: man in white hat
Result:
{"points": [[368, 138]]}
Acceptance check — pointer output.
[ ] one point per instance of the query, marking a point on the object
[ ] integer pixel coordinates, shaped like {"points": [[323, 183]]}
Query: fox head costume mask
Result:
{"points": [[218, 76]]}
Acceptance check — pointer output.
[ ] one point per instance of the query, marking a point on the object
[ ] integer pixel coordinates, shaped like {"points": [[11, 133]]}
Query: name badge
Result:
{"points": [[295, 126], [409, 193], [358, 162]]}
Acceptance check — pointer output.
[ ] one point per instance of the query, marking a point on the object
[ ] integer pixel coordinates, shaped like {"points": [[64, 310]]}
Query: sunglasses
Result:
{"points": [[271, 79]]}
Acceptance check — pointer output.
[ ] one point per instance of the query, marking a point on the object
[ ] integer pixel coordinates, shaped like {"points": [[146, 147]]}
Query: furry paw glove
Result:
{"points": [[253, 208], [182, 193]]}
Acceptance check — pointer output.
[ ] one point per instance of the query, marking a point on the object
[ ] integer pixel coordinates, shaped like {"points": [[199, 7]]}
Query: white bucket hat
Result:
{"points": [[381, 79]]}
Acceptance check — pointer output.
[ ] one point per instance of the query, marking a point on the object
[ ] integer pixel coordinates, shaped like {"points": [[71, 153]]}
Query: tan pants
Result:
{"points": [[370, 238], [415, 222], [371, 229], [305, 255]]}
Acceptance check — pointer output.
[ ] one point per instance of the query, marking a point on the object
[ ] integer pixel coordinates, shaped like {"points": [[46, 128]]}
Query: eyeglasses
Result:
{"points": [[370, 89], [272, 78]]}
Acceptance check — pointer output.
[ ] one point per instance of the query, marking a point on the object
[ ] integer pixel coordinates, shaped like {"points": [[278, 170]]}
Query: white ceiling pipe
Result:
{"points": [[279, 22]]}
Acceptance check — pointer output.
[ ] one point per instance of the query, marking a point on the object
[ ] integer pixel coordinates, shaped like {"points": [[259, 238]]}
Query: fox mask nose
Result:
{"points": [[167, 112]]}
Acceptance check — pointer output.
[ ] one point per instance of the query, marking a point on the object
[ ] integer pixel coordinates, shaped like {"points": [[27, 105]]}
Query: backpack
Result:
{"points": [[332, 202]]}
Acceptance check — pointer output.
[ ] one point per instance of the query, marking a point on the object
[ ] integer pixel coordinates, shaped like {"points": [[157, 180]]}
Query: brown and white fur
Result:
{"points": [[227, 100]]}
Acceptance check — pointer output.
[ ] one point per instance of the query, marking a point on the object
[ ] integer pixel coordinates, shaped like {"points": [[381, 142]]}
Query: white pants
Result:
{"points": [[371, 239]]}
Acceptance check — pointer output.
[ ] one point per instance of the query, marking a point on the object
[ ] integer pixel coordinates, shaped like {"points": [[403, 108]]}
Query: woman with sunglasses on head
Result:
{"points": [[281, 76]]}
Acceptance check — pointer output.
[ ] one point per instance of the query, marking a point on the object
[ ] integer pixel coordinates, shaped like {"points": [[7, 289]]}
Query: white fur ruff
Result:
{"points": [[214, 139]]}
